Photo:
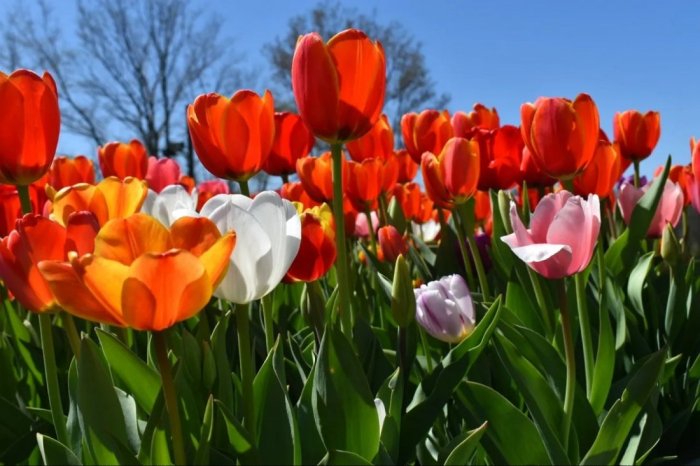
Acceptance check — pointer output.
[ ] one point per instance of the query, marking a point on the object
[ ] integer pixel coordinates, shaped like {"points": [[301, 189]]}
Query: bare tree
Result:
{"points": [[409, 86], [133, 68]]}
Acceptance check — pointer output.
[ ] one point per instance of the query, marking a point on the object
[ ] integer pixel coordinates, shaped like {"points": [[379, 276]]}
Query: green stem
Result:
{"points": [[685, 230], [570, 363], [344, 305], [568, 185], [59, 420], [166, 376], [383, 215], [266, 304], [243, 184], [372, 235], [466, 212], [462, 241], [246, 361], [71, 333], [637, 180], [585, 325], [24, 199], [426, 350], [542, 302], [285, 178]]}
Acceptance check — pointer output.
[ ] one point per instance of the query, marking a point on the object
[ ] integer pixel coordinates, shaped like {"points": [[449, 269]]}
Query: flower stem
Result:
{"points": [[462, 240], [166, 376], [542, 302], [57, 415], [24, 199], [637, 180], [243, 184], [266, 305], [585, 325], [570, 364], [71, 332], [344, 305], [285, 178], [466, 212], [246, 361]]}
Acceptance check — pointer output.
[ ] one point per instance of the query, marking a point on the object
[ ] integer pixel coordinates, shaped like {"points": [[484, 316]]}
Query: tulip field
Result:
{"points": [[529, 298]]}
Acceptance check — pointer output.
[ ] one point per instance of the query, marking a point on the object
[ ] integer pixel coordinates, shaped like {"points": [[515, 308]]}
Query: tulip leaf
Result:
{"points": [[463, 447], [438, 387], [202, 456], [620, 419], [140, 380], [312, 449], [511, 437], [343, 458], [54, 452], [343, 404], [604, 367], [223, 390], [238, 438], [635, 285], [391, 395], [277, 431]]}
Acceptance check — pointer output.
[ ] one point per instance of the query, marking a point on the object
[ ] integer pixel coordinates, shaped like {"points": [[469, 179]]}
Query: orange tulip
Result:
{"points": [[479, 118], [637, 134], [35, 239], [66, 171], [390, 173], [294, 192], [482, 207], [339, 87], [315, 174], [409, 197], [602, 173], [500, 152], [364, 183], [407, 167], [143, 275], [29, 125], [452, 177], [560, 134], [122, 159], [378, 142], [293, 140], [232, 137], [425, 132], [391, 243], [317, 251], [111, 198]]}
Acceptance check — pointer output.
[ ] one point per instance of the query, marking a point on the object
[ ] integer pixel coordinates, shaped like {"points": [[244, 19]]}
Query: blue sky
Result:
{"points": [[626, 55]]}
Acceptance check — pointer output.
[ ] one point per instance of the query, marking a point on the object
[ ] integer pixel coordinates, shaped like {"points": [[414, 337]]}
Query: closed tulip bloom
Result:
{"points": [[29, 126], [67, 171], [562, 234], [143, 275], [11, 209], [452, 177], [317, 250], [27, 245], [232, 137], [364, 183], [391, 242], [560, 134], [444, 308], [480, 117], [208, 189], [531, 173], [170, 204], [161, 173], [427, 131], [294, 192], [377, 143], [407, 168], [111, 198], [409, 198], [123, 159], [316, 175], [600, 176], [500, 152], [339, 86], [636, 133], [293, 140], [268, 233], [669, 209]]}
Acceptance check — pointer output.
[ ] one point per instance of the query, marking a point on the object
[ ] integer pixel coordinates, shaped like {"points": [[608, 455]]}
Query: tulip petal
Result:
{"points": [[195, 235], [549, 260], [126, 239], [104, 278]]}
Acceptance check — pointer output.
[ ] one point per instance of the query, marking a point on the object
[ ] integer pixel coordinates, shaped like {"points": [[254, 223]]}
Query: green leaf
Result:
{"points": [[391, 395], [312, 449], [224, 387], [463, 451], [238, 437], [276, 431], [511, 438], [54, 452], [141, 381], [635, 285], [343, 404], [619, 420], [604, 367], [437, 388], [343, 458], [202, 456]]}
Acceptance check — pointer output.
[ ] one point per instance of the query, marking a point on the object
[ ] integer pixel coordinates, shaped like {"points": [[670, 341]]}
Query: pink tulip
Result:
{"points": [[562, 235], [362, 226], [444, 308], [161, 173], [669, 209]]}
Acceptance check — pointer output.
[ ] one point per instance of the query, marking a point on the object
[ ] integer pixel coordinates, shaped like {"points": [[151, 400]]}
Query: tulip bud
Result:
{"points": [[391, 243], [504, 210], [403, 302], [396, 216], [444, 308], [670, 247], [313, 306]]}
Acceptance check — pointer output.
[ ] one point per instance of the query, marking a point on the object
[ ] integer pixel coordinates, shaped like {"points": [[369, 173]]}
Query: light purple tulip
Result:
{"points": [[444, 308], [562, 235], [669, 209]]}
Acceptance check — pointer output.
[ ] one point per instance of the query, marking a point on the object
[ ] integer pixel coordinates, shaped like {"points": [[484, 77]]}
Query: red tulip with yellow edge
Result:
{"points": [[451, 177], [427, 131], [316, 175], [29, 125], [339, 86], [636, 133], [480, 117], [36, 238], [111, 198], [67, 171], [601, 175], [142, 275], [377, 143], [317, 251], [232, 137], [123, 159], [293, 140], [561, 135]]}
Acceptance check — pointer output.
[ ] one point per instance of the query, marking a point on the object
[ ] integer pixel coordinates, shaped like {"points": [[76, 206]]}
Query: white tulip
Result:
{"points": [[268, 235], [427, 231], [170, 204]]}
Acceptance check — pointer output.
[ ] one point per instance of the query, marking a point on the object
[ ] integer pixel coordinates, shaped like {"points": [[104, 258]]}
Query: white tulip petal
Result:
{"points": [[538, 252]]}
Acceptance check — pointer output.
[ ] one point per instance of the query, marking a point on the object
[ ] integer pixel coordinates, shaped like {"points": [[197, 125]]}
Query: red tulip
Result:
{"points": [[317, 251], [637, 134], [161, 173], [391, 242], [377, 143], [407, 167], [480, 118], [425, 132], [315, 174], [452, 177], [294, 192], [123, 159], [500, 152], [601, 175], [66, 171], [293, 140], [208, 189]]}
